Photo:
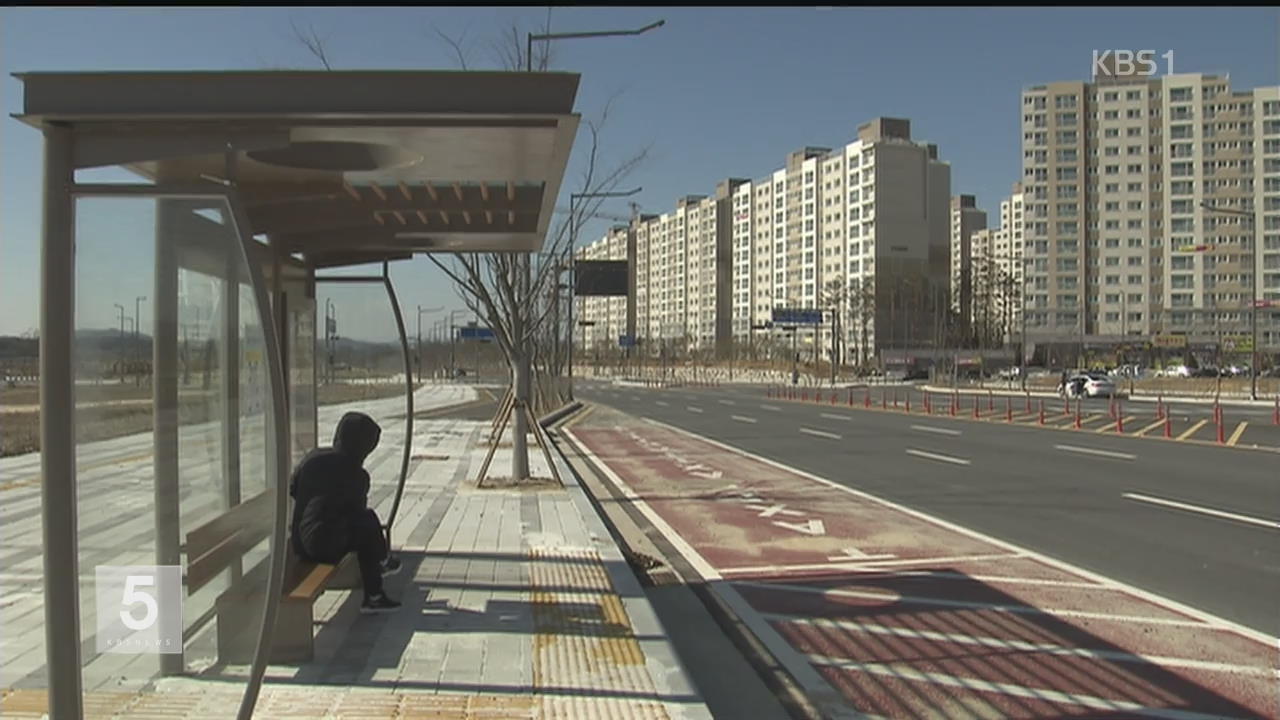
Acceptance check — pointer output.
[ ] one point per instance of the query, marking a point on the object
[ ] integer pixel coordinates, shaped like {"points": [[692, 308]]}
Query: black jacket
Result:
{"points": [[330, 486]]}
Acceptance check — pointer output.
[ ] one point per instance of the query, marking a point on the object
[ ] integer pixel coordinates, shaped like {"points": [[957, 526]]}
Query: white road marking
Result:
{"points": [[1203, 510], [727, 402], [770, 407], [819, 433], [1011, 608], [905, 672], [691, 408], [936, 456], [853, 553], [1022, 645], [663, 403], [1100, 453], [740, 418], [938, 430], [1208, 619], [771, 510], [831, 416], [813, 527]]}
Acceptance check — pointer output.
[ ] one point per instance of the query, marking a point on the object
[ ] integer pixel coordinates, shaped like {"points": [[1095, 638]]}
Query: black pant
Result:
{"points": [[370, 546], [361, 534]]}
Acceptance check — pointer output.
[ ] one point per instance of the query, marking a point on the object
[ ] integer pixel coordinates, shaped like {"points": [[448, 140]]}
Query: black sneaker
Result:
{"points": [[390, 566], [379, 603]]}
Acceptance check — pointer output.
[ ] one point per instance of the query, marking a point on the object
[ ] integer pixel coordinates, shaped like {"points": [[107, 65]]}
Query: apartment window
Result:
{"points": [[1135, 187], [1067, 137], [1135, 279], [1111, 133], [1135, 169], [1064, 156], [1066, 119], [1111, 261], [1112, 280], [1182, 94], [1111, 115], [1133, 132], [1135, 261], [1068, 209]]}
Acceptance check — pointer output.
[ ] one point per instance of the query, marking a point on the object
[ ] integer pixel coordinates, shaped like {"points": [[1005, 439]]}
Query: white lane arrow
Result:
{"points": [[772, 510], [713, 475], [853, 553], [813, 527]]}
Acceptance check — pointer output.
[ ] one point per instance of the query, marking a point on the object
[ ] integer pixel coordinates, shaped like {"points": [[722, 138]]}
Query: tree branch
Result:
{"points": [[312, 43]]}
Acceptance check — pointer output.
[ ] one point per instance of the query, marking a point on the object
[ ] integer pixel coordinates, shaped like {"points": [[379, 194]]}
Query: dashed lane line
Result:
{"points": [[938, 457], [1260, 522]]}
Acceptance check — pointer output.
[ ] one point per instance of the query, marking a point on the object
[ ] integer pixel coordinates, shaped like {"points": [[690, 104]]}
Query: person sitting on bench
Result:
{"points": [[331, 515]]}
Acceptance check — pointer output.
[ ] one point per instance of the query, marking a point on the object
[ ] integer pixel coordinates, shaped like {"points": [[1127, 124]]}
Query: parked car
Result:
{"points": [[1090, 384]]}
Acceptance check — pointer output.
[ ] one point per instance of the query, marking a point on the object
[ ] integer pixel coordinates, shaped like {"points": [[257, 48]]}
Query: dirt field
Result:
{"points": [[20, 431]]}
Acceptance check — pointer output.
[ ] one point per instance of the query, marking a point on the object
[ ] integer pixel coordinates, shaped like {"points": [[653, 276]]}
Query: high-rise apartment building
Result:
{"points": [[966, 219], [873, 214], [1116, 174]]}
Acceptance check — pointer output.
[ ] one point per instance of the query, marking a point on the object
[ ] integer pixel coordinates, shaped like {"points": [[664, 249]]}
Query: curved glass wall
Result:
{"points": [[176, 501]]}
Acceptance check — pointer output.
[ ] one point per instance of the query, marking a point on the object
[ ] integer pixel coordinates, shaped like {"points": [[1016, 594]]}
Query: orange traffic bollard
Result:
{"points": [[1119, 417], [955, 404], [1027, 409], [866, 399], [1077, 414], [850, 397], [1275, 414], [928, 405], [1168, 427], [1008, 409], [976, 413], [991, 401], [908, 401], [895, 398], [884, 399], [1041, 411], [1066, 406], [1221, 437]]}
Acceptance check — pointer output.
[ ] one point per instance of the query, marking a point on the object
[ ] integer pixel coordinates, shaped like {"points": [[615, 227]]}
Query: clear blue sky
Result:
{"points": [[718, 92]]}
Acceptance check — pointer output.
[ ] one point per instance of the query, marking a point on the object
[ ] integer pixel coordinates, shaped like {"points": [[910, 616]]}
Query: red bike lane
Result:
{"points": [[907, 616]]}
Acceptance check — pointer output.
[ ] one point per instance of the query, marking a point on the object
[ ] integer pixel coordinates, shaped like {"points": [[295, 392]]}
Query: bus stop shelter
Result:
{"points": [[249, 185]]}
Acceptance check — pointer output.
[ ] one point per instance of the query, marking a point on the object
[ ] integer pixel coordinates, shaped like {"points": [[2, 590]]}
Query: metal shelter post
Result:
{"points": [[408, 397], [164, 389], [57, 428]]}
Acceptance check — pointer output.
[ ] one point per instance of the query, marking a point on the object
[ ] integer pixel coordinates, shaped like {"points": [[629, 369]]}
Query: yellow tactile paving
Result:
{"points": [[584, 640], [330, 701]]}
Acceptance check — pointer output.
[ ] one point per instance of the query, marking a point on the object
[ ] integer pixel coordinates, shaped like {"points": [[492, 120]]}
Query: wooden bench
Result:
{"points": [[220, 544]]}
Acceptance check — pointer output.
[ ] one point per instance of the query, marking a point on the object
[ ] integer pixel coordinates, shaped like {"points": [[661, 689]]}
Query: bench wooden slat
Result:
{"points": [[214, 546]]}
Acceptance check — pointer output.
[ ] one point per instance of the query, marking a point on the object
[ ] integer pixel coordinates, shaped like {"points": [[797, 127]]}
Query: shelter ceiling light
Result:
{"points": [[337, 155]]}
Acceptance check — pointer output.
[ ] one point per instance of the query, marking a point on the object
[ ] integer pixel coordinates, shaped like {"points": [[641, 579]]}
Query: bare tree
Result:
{"points": [[312, 41], [519, 295]]}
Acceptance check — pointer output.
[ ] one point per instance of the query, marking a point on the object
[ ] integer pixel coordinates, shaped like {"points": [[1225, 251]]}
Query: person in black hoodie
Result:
{"points": [[331, 513]]}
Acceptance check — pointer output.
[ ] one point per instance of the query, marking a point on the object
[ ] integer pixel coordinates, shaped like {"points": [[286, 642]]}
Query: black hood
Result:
{"points": [[357, 435]]}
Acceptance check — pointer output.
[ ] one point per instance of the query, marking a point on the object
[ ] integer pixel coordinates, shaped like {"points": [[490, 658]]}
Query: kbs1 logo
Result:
{"points": [[1130, 63]]}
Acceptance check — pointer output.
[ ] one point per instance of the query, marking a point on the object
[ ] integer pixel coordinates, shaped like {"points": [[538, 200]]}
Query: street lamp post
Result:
{"points": [[1253, 292], [422, 310]]}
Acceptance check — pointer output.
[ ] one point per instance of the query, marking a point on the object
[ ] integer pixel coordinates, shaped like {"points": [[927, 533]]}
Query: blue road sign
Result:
{"points": [[475, 333], [792, 316]]}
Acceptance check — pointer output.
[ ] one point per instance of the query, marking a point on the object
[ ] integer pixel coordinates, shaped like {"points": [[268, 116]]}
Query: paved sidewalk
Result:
{"points": [[517, 604]]}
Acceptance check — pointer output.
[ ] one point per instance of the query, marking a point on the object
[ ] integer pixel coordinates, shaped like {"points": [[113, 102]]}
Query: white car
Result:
{"points": [[1092, 385]]}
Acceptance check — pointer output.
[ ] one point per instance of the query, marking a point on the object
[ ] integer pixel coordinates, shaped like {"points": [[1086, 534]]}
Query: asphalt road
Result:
{"points": [[1097, 500]]}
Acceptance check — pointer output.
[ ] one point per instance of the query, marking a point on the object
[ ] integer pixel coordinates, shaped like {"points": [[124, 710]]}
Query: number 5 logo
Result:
{"points": [[133, 596]]}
